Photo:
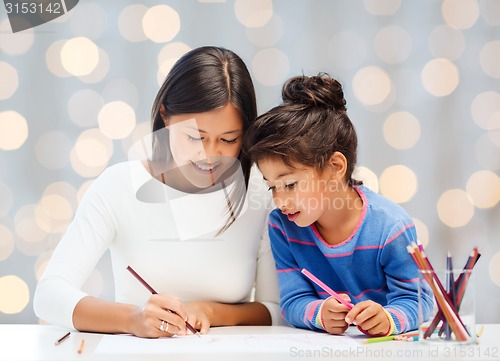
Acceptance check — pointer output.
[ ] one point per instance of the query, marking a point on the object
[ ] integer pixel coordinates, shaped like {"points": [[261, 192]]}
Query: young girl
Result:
{"points": [[189, 219], [351, 238]]}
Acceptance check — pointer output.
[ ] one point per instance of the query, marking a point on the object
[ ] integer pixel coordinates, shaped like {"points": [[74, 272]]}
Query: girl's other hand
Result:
{"points": [[370, 318], [333, 314]]}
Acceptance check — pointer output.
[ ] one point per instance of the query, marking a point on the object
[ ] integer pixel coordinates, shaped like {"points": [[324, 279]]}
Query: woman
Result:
{"points": [[190, 219]]}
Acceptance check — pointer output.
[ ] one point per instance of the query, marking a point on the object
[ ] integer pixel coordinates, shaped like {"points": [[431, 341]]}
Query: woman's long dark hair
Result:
{"points": [[202, 80]]}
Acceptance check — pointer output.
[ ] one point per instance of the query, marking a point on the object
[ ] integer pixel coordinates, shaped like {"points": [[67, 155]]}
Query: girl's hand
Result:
{"points": [[333, 314], [163, 315], [198, 315], [370, 318]]}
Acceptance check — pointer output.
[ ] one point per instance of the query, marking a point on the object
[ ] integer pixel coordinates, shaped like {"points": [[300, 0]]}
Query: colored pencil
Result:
{"points": [[58, 342], [400, 337], [380, 339], [451, 280], [326, 288], [450, 288], [480, 331], [443, 300], [82, 343], [471, 261], [410, 338], [447, 308], [459, 287], [152, 290]]}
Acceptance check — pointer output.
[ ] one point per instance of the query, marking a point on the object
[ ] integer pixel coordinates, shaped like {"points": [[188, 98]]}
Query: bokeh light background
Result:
{"points": [[421, 78]]}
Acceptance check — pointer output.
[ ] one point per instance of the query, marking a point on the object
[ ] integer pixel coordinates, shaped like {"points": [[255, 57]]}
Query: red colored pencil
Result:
{"points": [[152, 290]]}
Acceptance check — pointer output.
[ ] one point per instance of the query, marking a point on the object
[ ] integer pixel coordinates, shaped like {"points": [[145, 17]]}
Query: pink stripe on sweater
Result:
{"points": [[401, 318], [338, 255], [291, 239], [398, 234], [301, 242], [361, 248], [287, 270], [311, 308], [275, 226], [369, 290]]}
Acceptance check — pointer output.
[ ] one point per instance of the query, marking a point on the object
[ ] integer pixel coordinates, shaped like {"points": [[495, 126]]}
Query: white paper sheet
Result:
{"points": [[224, 343]]}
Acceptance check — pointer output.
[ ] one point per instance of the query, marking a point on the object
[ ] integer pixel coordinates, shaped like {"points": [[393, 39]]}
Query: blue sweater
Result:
{"points": [[372, 264]]}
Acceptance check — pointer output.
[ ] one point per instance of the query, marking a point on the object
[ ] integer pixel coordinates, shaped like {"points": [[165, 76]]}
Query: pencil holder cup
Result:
{"points": [[446, 307]]}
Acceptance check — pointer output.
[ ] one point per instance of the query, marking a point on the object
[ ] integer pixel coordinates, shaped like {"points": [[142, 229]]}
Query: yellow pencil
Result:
{"points": [[480, 331]]}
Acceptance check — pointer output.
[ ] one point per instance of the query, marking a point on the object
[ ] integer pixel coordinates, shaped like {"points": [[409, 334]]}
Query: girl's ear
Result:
{"points": [[163, 114], [338, 165]]}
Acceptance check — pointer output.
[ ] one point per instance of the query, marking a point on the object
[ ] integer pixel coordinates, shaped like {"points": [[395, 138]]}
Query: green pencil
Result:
{"points": [[380, 339], [409, 336]]}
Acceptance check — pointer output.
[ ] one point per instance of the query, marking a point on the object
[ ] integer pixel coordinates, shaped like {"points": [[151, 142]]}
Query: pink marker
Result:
{"points": [[326, 288]]}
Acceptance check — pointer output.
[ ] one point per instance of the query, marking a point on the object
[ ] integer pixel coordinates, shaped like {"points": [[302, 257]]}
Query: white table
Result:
{"points": [[36, 342]]}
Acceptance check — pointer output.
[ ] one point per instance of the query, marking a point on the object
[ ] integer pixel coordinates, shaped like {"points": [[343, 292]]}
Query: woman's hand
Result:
{"points": [[199, 315], [163, 315], [370, 318], [333, 314]]}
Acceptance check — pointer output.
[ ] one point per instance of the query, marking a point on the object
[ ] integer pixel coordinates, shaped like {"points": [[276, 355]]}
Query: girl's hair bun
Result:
{"points": [[315, 91]]}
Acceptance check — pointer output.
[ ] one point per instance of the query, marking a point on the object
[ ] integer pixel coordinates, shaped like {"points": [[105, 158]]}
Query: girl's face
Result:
{"points": [[205, 145], [303, 194]]}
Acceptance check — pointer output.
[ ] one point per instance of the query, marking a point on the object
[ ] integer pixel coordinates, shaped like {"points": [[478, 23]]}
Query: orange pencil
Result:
{"points": [[82, 343]]}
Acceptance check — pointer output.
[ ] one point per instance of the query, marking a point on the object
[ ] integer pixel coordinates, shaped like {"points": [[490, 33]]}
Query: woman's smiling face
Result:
{"points": [[205, 145]]}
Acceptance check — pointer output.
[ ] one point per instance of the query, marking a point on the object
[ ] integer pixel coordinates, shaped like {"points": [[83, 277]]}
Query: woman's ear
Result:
{"points": [[163, 114], [338, 165]]}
